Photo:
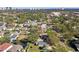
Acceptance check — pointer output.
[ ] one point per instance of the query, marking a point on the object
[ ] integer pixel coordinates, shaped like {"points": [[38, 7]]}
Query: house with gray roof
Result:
{"points": [[2, 26], [14, 36], [15, 48], [41, 43]]}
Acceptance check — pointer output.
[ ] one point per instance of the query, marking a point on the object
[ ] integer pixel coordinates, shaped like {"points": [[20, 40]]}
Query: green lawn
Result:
{"points": [[33, 48]]}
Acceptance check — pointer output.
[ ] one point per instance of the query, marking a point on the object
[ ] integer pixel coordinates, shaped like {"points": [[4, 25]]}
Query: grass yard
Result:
{"points": [[33, 48], [22, 37]]}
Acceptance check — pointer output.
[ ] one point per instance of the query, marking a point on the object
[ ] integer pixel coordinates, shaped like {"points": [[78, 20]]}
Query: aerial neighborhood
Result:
{"points": [[39, 30]]}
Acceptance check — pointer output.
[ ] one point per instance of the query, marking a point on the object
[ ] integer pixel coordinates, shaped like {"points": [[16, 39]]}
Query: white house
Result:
{"points": [[44, 27]]}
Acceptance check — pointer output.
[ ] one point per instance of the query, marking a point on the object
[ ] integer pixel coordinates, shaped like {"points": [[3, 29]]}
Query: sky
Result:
{"points": [[39, 3]]}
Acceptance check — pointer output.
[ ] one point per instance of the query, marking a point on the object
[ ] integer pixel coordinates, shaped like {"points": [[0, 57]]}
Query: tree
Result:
{"points": [[33, 36], [57, 45], [4, 39], [22, 18], [52, 36]]}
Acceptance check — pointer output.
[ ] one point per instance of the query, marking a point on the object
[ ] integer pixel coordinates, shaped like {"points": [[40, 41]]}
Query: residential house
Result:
{"points": [[10, 26], [1, 34], [55, 28], [26, 24], [62, 39], [77, 46], [7, 47], [34, 23], [56, 13], [14, 36], [44, 27], [2, 26], [76, 13], [16, 48], [45, 38], [41, 43], [74, 44]]}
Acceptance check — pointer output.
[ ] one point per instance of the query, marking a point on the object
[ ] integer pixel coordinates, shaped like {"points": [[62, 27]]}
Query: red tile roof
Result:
{"points": [[4, 46]]}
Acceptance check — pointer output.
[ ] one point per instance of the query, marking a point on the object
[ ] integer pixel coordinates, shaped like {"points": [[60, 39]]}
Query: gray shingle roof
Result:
{"points": [[15, 48], [41, 43]]}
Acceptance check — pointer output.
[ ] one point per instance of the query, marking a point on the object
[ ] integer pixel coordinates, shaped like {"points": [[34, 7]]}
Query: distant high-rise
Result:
{"points": [[8, 8]]}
